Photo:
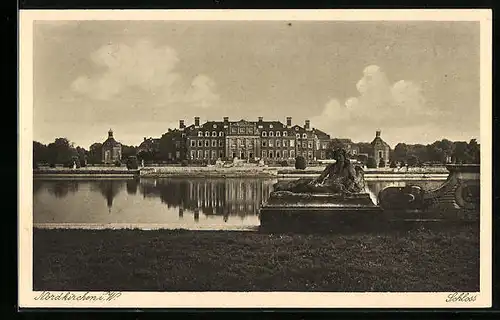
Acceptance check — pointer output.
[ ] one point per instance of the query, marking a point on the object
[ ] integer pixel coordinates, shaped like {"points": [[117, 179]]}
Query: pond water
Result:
{"points": [[197, 204]]}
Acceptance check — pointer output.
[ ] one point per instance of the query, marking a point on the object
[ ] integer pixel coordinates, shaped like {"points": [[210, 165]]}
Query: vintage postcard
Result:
{"points": [[267, 159]]}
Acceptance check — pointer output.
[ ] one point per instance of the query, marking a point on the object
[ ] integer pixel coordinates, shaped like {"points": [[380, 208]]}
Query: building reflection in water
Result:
{"points": [[214, 197], [58, 188], [109, 190], [132, 186]]}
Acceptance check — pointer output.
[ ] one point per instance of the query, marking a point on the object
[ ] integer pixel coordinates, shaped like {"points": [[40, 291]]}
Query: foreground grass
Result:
{"points": [[178, 260]]}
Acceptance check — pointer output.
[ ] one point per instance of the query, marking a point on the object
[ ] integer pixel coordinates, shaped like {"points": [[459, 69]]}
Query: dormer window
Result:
{"points": [[214, 134], [271, 126], [271, 134], [207, 134], [284, 134], [221, 133], [304, 136], [296, 128], [200, 134], [297, 136], [215, 126], [264, 134], [278, 133]]}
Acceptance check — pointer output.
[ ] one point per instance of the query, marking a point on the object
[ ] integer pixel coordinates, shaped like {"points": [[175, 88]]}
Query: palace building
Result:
{"points": [[270, 141]]}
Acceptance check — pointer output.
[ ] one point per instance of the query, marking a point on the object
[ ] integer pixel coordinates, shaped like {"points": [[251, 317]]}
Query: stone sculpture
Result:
{"points": [[340, 177]]}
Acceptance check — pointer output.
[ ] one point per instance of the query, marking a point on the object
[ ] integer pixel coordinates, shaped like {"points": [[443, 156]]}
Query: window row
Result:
{"points": [[214, 134], [243, 130], [278, 134], [206, 154], [271, 154], [207, 143], [285, 143]]}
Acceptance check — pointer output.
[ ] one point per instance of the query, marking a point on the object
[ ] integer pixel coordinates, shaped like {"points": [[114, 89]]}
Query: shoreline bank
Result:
{"points": [[234, 172]]}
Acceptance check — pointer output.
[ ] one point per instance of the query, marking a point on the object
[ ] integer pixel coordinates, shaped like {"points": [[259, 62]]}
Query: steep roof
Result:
{"points": [[378, 140]]}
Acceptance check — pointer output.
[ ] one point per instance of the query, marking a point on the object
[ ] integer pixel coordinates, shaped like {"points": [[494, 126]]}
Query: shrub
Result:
{"points": [[371, 163], [52, 165], [300, 163], [412, 161], [132, 163], [284, 163], [393, 164], [184, 163], [118, 163]]}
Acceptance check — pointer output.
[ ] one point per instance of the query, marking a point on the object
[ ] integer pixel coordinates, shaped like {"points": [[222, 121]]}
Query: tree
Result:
{"points": [[128, 151], [95, 153], [393, 164], [371, 162], [413, 161], [60, 151], [400, 152], [300, 163], [40, 152], [473, 151]]}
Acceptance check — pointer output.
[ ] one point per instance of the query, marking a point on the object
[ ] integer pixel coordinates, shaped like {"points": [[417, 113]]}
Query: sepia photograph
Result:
{"points": [[255, 156]]}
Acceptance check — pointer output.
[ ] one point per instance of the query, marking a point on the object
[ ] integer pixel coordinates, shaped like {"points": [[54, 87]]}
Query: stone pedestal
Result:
{"points": [[303, 212]]}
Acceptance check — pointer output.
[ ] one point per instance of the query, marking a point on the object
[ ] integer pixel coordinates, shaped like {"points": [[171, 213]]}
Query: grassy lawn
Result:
{"points": [[179, 260]]}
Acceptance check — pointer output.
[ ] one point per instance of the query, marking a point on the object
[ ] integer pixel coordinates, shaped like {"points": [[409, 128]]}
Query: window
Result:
{"points": [[214, 143], [310, 144], [177, 144], [310, 154], [264, 134], [278, 143], [264, 143], [292, 153], [221, 133], [271, 134], [322, 155], [214, 154], [297, 136], [234, 130], [177, 154], [200, 143], [285, 143], [215, 126], [207, 154], [250, 130], [285, 154], [264, 154], [221, 154], [278, 133], [207, 143], [193, 143], [270, 143], [221, 143], [200, 154], [232, 142], [354, 152], [207, 134], [270, 154], [304, 144], [193, 154], [259, 126], [298, 153], [239, 142], [296, 128], [304, 136], [271, 126], [200, 134], [292, 143], [324, 146], [249, 143], [214, 134], [380, 154], [278, 154], [242, 130], [284, 133]]}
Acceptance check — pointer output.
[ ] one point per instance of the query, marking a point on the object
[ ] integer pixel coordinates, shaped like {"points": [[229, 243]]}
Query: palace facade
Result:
{"points": [[270, 141]]}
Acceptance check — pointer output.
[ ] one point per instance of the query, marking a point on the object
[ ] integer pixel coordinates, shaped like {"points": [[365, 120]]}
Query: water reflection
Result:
{"points": [[176, 203], [220, 197]]}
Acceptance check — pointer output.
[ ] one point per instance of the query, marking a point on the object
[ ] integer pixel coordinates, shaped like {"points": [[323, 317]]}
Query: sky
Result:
{"points": [[417, 82]]}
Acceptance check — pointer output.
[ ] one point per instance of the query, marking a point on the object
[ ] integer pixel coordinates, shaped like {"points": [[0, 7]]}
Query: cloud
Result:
{"points": [[144, 67], [379, 103]]}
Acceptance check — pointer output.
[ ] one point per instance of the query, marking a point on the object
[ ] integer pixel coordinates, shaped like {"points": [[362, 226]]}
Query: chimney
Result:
{"points": [[110, 133], [307, 124], [377, 133], [196, 121], [261, 119], [145, 139], [289, 121], [226, 119], [181, 124]]}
